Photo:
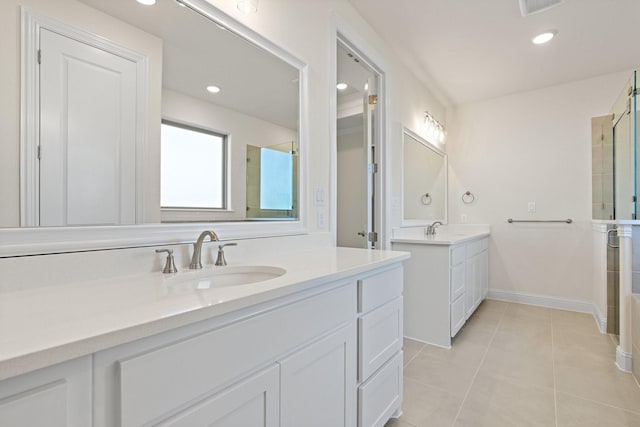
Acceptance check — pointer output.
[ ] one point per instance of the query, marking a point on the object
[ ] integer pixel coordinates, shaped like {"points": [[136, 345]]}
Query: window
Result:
{"points": [[192, 168], [276, 179]]}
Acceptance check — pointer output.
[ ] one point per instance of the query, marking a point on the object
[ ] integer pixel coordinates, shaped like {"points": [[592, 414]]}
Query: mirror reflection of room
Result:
{"points": [[101, 160]]}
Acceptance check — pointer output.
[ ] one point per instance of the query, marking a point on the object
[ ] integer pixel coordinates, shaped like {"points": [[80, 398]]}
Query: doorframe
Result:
{"points": [[342, 32], [32, 23]]}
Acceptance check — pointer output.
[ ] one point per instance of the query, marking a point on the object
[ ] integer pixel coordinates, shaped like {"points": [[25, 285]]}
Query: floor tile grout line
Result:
{"points": [[608, 405], [475, 375]]}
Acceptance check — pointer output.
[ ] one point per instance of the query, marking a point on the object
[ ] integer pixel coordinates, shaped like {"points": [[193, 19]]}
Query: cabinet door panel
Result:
{"points": [[318, 383], [57, 396], [45, 406], [251, 403], [381, 395]]}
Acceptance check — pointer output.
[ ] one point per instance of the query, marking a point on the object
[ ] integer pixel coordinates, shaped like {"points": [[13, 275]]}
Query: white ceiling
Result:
{"points": [[198, 53], [471, 50]]}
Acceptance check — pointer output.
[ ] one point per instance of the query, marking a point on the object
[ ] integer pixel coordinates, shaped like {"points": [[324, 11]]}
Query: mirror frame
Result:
{"points": [[423, 222], [48, 240]]}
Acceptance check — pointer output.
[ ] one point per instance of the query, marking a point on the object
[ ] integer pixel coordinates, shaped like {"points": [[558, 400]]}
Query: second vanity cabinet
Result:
{"points": [[444, 284], [329, 355]]}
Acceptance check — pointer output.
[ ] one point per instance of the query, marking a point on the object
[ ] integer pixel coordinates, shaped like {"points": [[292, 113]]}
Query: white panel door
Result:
{"points": [[87, 134], [318, 383]]}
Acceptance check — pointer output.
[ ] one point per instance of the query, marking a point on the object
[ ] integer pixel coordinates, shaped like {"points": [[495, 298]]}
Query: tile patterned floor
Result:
{"points": [[519, 365]]}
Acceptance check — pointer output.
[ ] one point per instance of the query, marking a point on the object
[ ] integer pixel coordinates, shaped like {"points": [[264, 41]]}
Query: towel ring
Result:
{"points": [[468, 198], [426, 199]]}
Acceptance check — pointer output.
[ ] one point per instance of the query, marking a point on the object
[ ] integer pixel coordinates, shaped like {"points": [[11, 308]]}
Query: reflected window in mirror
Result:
{"points": [[193, 167]]}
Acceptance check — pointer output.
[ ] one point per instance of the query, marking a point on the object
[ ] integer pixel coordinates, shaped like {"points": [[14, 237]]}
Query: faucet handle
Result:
{"points": [[170, 266], [221, 260]]}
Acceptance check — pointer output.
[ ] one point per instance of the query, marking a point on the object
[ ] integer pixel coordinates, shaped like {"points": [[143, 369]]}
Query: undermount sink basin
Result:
{"points": [[220, 277]]}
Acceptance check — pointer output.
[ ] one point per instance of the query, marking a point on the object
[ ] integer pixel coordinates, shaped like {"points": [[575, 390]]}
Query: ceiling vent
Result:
{"points": [[528, 7]]}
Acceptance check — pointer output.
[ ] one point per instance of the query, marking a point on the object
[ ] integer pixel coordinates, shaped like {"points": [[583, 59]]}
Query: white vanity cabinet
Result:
{"points": [[57, 396], [286, 365], [444, 284], [380, 332], [327, 354]]}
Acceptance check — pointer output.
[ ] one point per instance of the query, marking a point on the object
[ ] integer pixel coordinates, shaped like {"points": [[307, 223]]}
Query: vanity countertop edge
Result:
{"points": [[49, 325], [442, 239]]}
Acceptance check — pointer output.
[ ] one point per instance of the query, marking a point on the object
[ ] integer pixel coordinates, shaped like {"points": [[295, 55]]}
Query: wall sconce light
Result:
{"points": [[435, 129], [247, 6]]}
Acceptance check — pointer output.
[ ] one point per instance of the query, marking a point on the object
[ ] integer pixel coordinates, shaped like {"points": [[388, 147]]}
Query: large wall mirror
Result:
{"points": [[99, 79], [424, 181]]}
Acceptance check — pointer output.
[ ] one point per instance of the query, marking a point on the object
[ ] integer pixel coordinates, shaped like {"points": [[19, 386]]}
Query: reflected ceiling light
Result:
{"points": [[366, 86], [213, 89], [434, 129], [247, 6], [342, 86], [544, 37], [147, 2]]}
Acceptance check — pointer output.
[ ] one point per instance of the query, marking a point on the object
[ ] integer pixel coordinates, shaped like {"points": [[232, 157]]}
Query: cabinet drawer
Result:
{"points": [[254, 401], [475, 247], [457, 280], [373, 291], [381, 395], [458, 254], [379, 337], [457, 315], [155, 382]]}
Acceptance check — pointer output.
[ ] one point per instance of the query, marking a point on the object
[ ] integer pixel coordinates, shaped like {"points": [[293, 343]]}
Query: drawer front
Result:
{"points": [[381, 395], [458, 275], [475, 247], [458, 254], [379, 337], [374, 291], [154, 383], [457, 315], [254, 402]]}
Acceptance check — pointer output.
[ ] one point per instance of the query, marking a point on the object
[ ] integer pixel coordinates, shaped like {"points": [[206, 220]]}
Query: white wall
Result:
{"points": [[303, 28], [532, 147]]}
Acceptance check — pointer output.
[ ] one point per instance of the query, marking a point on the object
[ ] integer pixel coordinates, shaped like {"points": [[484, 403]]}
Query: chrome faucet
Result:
{"points": [[431, 229], [196, 261], [221, 260]]}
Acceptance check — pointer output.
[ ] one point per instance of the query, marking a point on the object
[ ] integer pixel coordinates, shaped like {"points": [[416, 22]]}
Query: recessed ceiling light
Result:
{"points": [[342, 86], [247, 6], [147, 2], [213, 89], [544, 37]]}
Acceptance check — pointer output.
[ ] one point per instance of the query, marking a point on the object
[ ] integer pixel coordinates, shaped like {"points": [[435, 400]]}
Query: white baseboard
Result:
{"points": [[624, 360], [600, 319], [551, 302]]}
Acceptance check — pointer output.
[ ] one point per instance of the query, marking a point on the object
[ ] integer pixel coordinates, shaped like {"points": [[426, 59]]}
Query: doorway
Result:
{"points": [[358, 142]]}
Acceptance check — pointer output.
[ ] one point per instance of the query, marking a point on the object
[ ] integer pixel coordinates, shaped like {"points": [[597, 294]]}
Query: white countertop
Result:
{"points": [[43, 326], [445, 235]]}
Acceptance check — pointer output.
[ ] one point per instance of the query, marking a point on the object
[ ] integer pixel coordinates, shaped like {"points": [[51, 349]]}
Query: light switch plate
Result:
{"points": [[318, 196]]}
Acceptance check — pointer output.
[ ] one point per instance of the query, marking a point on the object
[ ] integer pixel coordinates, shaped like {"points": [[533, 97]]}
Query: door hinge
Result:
{"points": [[373, 168], [372, 236], [39, 56], [39, 152], [633, 199], [373, 99], [629, 106]]}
